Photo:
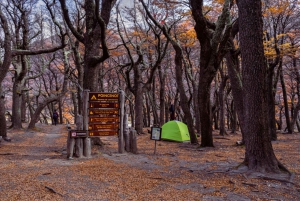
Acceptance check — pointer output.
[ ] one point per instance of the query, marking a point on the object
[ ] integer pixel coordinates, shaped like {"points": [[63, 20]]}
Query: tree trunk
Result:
{"points": [[236, 86], [259, 155], [222, 106], [162, 92], [233, 118], [23, 106], [16, 109], [285, 101], [3, 130], [138, 108], [205, 112], [271, 104]]}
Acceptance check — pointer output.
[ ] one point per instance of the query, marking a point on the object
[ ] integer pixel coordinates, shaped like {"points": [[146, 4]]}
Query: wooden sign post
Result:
{"points": [[102, 115], [105, 115]]}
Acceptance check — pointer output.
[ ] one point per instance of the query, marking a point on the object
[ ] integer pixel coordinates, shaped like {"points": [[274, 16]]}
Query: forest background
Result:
{"points": [[186, 53]]}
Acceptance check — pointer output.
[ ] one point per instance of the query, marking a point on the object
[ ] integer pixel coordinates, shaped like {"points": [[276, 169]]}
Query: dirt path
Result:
{"points": [[34, 167]]}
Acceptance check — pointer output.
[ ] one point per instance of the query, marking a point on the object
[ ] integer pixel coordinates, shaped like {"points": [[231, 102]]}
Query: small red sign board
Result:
{"points": [[103, 133]]}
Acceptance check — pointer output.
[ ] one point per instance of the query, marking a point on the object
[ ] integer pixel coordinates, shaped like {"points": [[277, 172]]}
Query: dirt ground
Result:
{"points": [[34, 166]]}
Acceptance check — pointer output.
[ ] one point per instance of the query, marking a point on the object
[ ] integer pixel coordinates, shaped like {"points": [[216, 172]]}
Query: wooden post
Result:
{"points": [[79, 147], [121, 138], [126, 133], [87, 150], [70, 146], [79, 141], [133, 143]]}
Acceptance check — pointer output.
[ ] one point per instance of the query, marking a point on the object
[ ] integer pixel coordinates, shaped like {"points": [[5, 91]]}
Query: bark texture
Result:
{"points": [[259, 152]]}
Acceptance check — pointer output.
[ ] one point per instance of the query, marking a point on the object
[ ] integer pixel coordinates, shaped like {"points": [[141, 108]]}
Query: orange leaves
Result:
{"points": [[286, 49], [187, 34]]}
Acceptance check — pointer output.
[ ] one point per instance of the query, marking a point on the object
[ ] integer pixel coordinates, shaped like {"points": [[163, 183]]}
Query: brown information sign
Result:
{"points": [[103, 133], [103, 105], [95, 111], [94, 96], [104, 119], [103, 114], [98, 127]]}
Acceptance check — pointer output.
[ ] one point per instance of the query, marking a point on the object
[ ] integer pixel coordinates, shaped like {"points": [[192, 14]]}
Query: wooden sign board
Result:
{"points": [[103, 114], [78, 133], [103, 133]]}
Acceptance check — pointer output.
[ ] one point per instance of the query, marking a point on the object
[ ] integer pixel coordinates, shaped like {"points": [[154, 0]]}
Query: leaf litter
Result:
{"points": [[35, 167]]}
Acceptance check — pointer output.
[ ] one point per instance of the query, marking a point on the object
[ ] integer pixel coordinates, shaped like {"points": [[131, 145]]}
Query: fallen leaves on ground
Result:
{"points": [[34, 167]]}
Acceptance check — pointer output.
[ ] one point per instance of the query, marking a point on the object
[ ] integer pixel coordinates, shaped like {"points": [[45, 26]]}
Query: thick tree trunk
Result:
{"points": [[259, 154], [16, 109], [205, 112], [138, 108]]}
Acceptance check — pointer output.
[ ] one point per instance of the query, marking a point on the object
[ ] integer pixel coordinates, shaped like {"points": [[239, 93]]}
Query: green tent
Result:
{"points": [[175, 131]]}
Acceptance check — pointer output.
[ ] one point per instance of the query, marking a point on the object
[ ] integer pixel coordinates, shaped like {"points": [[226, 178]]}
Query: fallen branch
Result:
{"points": [[53, 191]]}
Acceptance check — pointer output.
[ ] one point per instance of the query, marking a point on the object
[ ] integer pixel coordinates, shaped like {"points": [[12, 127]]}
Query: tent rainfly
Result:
{"points": [[175, 131]]}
